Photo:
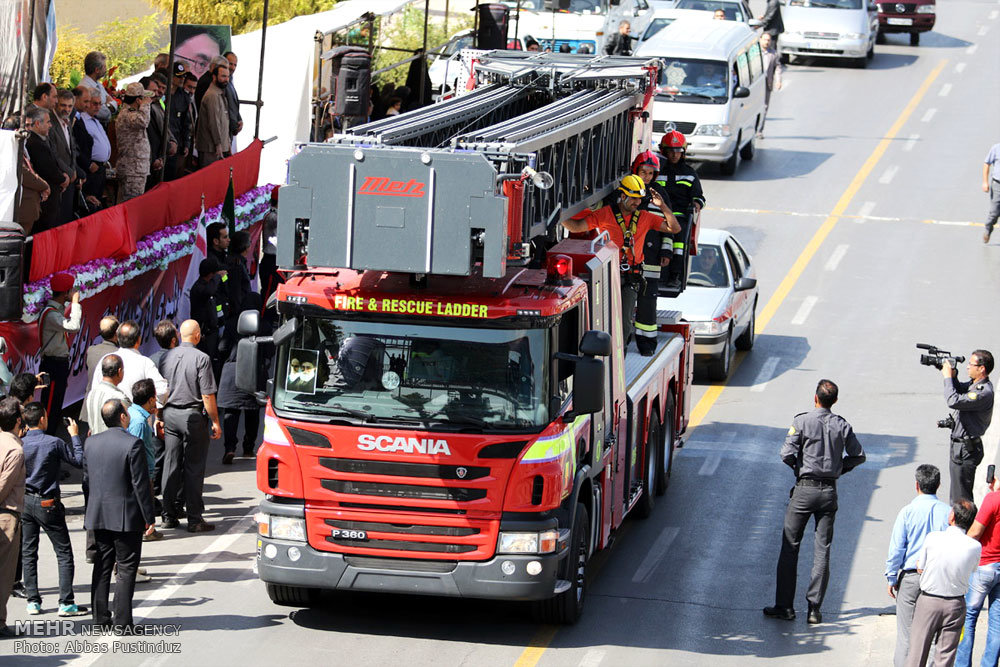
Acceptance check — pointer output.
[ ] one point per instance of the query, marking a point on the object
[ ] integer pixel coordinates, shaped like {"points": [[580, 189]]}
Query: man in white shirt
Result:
{"points": [[945, 563], [95, 68], [137, 366]]}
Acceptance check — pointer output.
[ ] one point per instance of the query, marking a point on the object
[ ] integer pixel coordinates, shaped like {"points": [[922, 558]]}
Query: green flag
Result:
{"points": [[228, 214]]}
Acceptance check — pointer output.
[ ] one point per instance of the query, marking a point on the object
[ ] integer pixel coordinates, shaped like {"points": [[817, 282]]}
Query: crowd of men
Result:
{"points": [[86, 150]]}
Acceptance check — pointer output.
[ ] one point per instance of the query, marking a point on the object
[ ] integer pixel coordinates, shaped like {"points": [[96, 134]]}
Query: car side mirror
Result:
{"points": [[755, 23], [595, 344], [741, 91], [744, 284], [249, 323]]}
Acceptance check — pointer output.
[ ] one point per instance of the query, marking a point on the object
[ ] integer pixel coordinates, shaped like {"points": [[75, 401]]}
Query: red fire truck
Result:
{"points": [[453, 410]]}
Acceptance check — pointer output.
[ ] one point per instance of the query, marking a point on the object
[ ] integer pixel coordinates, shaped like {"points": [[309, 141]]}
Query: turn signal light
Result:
{"points": [[559, 270]]}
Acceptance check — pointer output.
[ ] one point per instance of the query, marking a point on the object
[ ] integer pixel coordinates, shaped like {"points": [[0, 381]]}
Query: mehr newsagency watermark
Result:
{"points": [[60, 637]]}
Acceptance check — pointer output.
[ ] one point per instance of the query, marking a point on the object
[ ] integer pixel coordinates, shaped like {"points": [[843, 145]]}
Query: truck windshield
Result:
{"points": [[686, 80], [397, 372]]}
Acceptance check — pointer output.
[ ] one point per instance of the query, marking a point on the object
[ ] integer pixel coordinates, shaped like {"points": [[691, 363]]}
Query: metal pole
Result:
{"points": [[22, 135], [446, 3], [517, 22], [260, 72], [318, 105], [423, 54], [27, 59], [170, 93]]}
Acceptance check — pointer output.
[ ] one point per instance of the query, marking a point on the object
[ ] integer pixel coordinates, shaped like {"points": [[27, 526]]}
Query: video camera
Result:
{"points": [[936, 357]]}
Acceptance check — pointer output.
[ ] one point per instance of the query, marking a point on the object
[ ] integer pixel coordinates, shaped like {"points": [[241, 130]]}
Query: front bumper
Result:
{"points": [[920, 23], [709, 346], [827, 48], [469, 579], [702, 148]]}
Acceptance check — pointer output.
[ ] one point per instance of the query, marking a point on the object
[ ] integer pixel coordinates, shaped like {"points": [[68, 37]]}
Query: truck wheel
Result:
{"points": [[746, 340], [914, 38], [880, 37], [748, 151], [718, 369], [651, 466], [728, 168], [785, 59], [292, 596], [567, 607], [667, 453]]}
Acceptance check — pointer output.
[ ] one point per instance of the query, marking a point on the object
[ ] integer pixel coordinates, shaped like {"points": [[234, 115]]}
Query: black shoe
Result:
{"points": [[170, 522], [814, 615], [227, 458], [19, 591], [201, 527], [783, 613], [249, 453]]}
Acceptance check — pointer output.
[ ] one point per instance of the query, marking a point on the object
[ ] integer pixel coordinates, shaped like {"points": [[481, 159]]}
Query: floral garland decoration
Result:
{"points": [[153, 251]]}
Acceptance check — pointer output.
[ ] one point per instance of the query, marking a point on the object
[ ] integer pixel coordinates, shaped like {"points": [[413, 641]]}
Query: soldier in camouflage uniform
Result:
{"points": [[133, 144]]}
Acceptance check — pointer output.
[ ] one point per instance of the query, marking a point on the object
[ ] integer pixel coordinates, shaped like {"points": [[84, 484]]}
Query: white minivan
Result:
{"points": [[711, 88]]}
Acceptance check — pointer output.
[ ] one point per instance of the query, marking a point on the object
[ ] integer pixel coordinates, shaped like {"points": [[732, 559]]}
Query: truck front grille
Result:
{"points": [[383, 489]]}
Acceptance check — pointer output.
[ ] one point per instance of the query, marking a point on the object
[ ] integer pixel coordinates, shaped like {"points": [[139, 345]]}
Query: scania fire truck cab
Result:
{"points": [[452, 410]]}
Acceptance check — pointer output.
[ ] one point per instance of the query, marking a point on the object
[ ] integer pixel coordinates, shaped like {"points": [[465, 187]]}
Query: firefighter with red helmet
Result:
{"points": [[627, 226], [683, 186], [646, 166]]}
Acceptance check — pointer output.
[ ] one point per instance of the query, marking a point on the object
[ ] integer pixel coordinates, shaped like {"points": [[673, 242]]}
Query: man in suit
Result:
{"points": [[64, 147], [119, 511], [154, 131], [44, 162], [34, 190], [770, 20]]}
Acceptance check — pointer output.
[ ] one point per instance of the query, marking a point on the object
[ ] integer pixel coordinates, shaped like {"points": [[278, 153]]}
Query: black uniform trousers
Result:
{"points": [[645, 312], [123, 548], [231, 426], [678, 246], [54, 395], [807, 501], [966, 454], [186, 435]]}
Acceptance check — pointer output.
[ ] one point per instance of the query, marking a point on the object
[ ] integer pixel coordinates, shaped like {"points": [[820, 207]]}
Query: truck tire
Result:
{"points": [[566, 608], [292, 596], [667, 453], [650, 465], [914, 38], [718, 369], [746, 339], [728, 168], [880, 37]]}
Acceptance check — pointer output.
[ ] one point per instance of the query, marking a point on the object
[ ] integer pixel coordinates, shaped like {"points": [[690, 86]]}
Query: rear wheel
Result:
{"points": [[746, 339], [748, 151], [651, 457], [667, 455], [728, 168], [566, 607], [914, 38], [292, 596], [879, 38], [718, 369]]}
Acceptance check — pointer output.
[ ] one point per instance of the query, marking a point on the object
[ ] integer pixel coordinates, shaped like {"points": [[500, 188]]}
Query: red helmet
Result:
{"points": [[646, 158], [672, 140]]}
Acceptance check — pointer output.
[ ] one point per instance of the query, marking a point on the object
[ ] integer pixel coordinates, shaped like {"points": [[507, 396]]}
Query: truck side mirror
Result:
{"points": [[595, 344], [249, 323], [247, 364], [286, 331], [588, 386]]}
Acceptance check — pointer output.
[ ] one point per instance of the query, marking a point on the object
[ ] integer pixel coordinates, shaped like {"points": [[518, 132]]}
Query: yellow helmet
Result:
{"points": [[632, 186]]}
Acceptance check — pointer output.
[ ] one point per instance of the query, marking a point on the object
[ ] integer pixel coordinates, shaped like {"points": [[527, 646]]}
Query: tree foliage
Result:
{"points": [[406, 31], [129, 45], [242, 15]]}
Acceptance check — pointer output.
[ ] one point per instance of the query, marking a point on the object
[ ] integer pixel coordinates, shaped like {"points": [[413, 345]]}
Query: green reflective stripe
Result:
{"points": [[651, 267], [645, 327], [556, 447], [687, 183], [678, 244], [225, 277], [218, 309]]}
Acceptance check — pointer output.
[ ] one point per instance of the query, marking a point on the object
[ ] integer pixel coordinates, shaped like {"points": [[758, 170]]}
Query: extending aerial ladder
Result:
{"points": [[483, 177]]}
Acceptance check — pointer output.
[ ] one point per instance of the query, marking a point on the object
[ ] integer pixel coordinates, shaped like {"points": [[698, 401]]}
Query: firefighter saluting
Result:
{"points": [[683, 187], [627, 226]]}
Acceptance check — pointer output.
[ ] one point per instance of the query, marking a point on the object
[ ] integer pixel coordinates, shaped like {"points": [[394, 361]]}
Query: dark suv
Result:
{"points": [[913, 16]]}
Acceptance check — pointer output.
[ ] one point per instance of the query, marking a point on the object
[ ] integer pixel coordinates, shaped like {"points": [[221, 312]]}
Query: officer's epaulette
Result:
{"points": [[800, 414]]}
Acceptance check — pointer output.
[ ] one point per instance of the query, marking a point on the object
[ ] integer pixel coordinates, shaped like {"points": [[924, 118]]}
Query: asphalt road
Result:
{"points": [[859, 211]]}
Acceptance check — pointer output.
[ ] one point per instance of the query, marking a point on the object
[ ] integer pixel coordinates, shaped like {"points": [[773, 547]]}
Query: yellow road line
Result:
{"points": [[533, 653]]}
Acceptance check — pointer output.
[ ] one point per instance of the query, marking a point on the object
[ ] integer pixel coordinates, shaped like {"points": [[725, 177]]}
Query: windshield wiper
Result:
{"points": [[461, 419], [710, 98], [340, 410]]}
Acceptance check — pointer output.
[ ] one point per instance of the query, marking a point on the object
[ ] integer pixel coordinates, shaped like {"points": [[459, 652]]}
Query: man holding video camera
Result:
{"points": [[972, 409]]}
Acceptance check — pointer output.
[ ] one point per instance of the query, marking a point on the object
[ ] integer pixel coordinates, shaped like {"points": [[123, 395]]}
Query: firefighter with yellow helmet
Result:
{"points": [[627, 225]]}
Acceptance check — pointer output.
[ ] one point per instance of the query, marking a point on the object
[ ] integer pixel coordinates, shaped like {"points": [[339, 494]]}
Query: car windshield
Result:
{"points": [[827, 4], [655, 26], [693, 80], [730, 8], [399, 372], [575, 6], [707, 268]]}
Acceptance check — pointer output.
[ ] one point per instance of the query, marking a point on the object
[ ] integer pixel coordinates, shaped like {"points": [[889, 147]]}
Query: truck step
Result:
{"points": [[668, 316]]}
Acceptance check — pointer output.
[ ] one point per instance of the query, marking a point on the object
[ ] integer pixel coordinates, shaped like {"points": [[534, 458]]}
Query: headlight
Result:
{"points": [[544, 542], [713, 130], [709, 328], [926, 9], [791, 33], [852, 35], [281, 527]]}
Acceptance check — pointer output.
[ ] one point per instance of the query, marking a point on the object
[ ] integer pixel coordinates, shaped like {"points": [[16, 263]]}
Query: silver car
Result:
{"points": [[829, 28], [720, 301]]}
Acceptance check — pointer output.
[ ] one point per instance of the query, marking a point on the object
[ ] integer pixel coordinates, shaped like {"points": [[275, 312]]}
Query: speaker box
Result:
{"points": [[492, 30], [11, 262], [351, 80]]}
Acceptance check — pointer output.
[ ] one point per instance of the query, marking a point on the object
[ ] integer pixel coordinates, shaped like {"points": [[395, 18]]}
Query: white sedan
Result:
{"points": [[720, 301]]}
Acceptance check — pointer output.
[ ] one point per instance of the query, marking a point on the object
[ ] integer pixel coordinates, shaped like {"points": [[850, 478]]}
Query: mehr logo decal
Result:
{"points": [[383, 185]]}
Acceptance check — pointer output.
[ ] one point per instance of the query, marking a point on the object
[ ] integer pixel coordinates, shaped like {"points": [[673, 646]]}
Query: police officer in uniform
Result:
{"points": [[971, 404], [820, 447], [646, 165], [683, 187]]}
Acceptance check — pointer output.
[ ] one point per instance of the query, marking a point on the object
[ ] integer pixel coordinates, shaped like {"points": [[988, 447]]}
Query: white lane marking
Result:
{"points": [[865, 211], [593, 657], [764, 375], [803, 312], [711, 463], [959, 68], [835, 257], [927, 116], [197, 564], [888, 175], [972, 49], [945, 89], [983, 29], [911, 142], [656, 553]]}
